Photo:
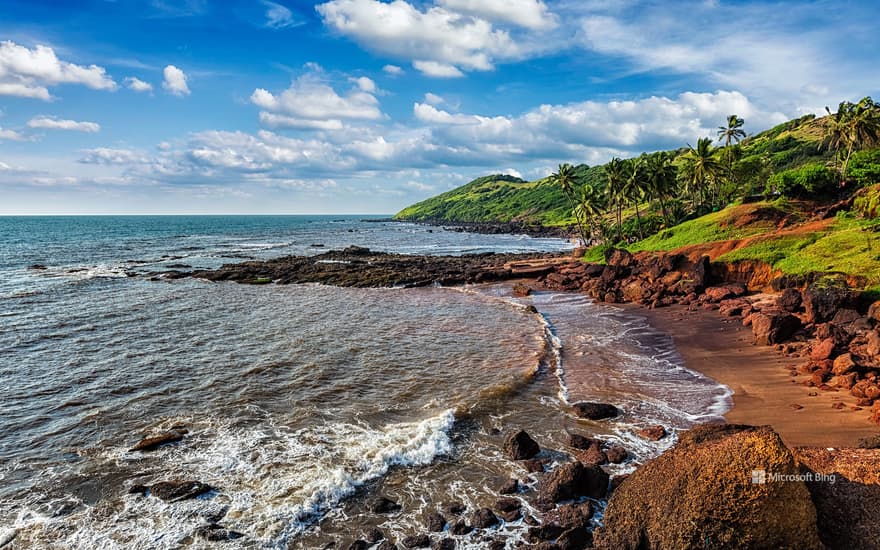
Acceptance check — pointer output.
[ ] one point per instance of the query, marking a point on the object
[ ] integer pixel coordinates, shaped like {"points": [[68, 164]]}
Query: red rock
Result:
{"points": [[874, 312], [838, 405], [796, 406], [872, 344], [773, 328], [574, 480], [843, 364], [653, 433], [520, 290], [520, 446], [822, 350], [593, 455], [616, 454]]}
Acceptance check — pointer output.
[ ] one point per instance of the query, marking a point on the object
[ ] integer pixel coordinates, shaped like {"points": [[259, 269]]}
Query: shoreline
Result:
{"points": [[763, 390]]}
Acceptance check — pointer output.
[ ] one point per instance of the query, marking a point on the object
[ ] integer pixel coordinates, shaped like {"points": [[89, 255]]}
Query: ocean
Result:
{"points": [[300, 401]]}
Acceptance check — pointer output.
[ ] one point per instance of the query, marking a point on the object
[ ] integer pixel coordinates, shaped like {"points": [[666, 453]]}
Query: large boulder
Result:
{"points": [[595, 411], [520, 446], [706, 493], [701, 273], [790, 300], [822, 304], [619, 257], [773, 328], [574, 480]]}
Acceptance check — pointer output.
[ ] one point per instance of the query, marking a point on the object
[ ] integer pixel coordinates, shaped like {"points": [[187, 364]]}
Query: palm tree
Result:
{"points": [[733, 132], [853, 127], [590, 208], [660, 176], [567, 179], [701, 169], [635, 187], [615, 177]]}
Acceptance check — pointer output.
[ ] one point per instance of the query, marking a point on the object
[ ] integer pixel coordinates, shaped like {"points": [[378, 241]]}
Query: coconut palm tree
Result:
{"points": [[615, 178], [590, 208], [731, 133], [567, 180], [700, 169], [635, 187], [854, 126], [660, 176]]}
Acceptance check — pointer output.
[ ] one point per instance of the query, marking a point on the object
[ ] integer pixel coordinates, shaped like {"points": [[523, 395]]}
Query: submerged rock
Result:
{"points": [[416, 541], [175, 491], [383, 505], [701, 494], [520, 446], [653, 433], [485, 518], [154, 442], [574, 480], [217, 533], [435, 522], [595, 411]]}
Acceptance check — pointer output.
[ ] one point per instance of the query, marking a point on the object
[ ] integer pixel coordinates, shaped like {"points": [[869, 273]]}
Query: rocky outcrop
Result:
{"points": [[153, 442], [520, 446], [574, 480], [595, 411], [701, 494]]}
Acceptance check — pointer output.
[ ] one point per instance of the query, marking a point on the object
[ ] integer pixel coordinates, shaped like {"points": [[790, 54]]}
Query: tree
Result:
{"points": [[660, 179], [853, 127], [590, 208], [635, 186], [615, 177], [700, 169], [567, 179], [731, 133]]}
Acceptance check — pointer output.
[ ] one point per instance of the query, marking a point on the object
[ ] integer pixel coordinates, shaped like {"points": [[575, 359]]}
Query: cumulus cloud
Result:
{"points": [[26, 72], [310, 103], [532, 14], [439, 41], [109, 156], [433, 99], [393, 70], [175, 81], [138, 85], [10, 135], [432, 115], [51, 123]]}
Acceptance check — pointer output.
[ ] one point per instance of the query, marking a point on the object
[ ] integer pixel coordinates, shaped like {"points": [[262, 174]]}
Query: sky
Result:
{"points": [[366, 106]]}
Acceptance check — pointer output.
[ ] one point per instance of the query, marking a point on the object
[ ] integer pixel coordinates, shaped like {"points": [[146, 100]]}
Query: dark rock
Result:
{"points": [[435, 522], [520, 446], [509, 487], [874, 312], [485, 518], [618, 257], [37, 267], [416, 541], [373, 535], [359, 545], [175, 491], [138, 489], [507, 504], [580, 441], [535, 465], [653, 433], [382, 505], [790, 300], [700, 274], [444, 544], [154, 442], [386, 545], [821, 304], [661, 506], [455, 508], [570, 516], [595, 411], [217, 533], [574, 480], [521, 290], [593, 455], [575, 539], [773, 328], [872, 442], [460, 528], [547, 531]]}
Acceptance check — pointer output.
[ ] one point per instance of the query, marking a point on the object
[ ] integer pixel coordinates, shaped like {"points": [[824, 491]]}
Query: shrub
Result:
{"points": [[867, 202], [864, 168], [809, 179]]}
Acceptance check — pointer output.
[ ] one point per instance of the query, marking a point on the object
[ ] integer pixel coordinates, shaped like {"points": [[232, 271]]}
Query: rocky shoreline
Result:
{"points": [[701, 493], [496, 228]]}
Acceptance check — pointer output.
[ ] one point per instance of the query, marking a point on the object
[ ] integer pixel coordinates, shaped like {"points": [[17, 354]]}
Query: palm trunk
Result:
{"points": [[639, 220]]}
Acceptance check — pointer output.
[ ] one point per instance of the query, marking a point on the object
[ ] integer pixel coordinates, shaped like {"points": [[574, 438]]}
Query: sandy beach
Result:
{"points": [[764, 391]]}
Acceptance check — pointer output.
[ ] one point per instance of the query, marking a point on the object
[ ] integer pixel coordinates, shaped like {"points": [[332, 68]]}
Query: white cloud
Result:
{"points": [[393, 70], [51, 123], [309, 102], [512, 172], [10, 135], [433, 99], [109, 156], [432, 115], [138, 85], [532, 14], [437, 70], [441, 42], [175, 81], [278, 16], [26, 72]]}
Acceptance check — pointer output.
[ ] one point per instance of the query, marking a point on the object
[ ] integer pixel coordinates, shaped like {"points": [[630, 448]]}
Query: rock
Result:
{"points": [[874, 312], [619, 257], [435, 522], [214, 532], [175, 491], [727, 511], [520, 446], [460, 528], [383, 505], [575, 539], [616, 454], [416, 541], [822, 350], [547, 531], [154, 442], [455, 508], [872, 344], [520, 290], [509, 487], [872, 442], [359, 545], [579, 441], [701, 272], [844, 381], [593, 455], [507, 506], [843, 364], [790, 300], [444, 544], [734, 307], [386, 545], [718, 293], [535, 465], [595, 411], [570, 516], [485, 518], [821, 304], [774, 328], [574, 480], [653, 433], [373, 535]]}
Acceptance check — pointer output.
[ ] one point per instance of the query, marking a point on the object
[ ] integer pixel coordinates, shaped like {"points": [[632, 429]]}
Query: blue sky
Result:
{"points": [[365, 106]]}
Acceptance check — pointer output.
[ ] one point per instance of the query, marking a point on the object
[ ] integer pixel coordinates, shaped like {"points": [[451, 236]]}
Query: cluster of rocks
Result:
{"points": [[360, 267], [832, 328], [505, 228]]}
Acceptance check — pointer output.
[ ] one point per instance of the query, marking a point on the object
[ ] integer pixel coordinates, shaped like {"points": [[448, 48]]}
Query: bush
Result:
{"points": [[864, 168], [867, 202], [809, 179]]}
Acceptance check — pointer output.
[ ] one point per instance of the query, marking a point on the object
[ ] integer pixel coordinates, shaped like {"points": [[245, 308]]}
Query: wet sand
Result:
{"points": [[764, 390]]}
